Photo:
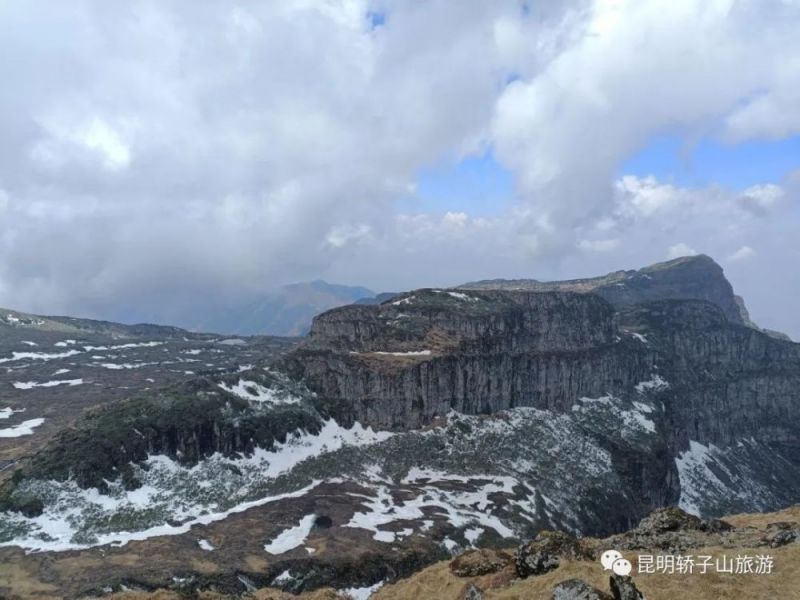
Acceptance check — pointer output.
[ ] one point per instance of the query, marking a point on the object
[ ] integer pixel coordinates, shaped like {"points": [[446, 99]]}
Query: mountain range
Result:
{"points": [[400, 432]]}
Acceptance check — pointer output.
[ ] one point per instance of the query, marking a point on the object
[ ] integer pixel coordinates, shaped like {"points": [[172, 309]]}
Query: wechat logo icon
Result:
{"points": [[612, 560]]}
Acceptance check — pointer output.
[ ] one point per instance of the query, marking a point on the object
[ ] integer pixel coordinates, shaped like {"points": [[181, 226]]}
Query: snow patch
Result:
{"points": [[27, 385], [362, 593], [205, 545], [24, 428], [39, 355], [255, 392], [655, 383], [293, 537]]}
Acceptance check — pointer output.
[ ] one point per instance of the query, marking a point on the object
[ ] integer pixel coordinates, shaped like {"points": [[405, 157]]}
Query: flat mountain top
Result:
{"points": [[396, 436], [689, 277]]}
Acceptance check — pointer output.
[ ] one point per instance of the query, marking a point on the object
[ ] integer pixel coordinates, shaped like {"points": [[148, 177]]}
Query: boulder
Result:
{"points": [[543, 554], [623, 588], [577, 589], [479, 562]]}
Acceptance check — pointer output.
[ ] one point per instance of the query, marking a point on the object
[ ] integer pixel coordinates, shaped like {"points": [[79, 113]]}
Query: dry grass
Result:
{"points": [[783, 584]]}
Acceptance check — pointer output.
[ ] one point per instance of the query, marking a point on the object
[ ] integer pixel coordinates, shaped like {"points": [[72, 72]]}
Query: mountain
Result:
{"points": [[392, 437], [286, 312], [686, 278]]}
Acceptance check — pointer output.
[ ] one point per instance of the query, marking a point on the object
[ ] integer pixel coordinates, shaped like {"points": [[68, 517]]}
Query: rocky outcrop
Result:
{"points": [[545, 552], [479, 562], [715, 382], [686, 278], [623, 588], [577, 589], [406, 362]]}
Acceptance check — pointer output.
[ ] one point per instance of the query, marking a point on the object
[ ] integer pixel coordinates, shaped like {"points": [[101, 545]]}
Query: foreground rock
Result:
{"points": [[623, 588], [545, 552], [576, 589]]}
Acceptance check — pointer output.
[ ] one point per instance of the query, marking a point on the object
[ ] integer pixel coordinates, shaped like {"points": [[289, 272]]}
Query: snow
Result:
{"points": [[293, 537], [407, 300], [458, 295], [655, 383], [170, 488], [692, 470], [39, 355], [633, 420], [284, 577], [634, 417], [472, 534], [363, 593], [639, 337], [65, 343], [205, 545], [28, 343], [59, 530], [255, 392], [61, 372], [5, 413], [117, 367], [451, 545], [27, 385], [409, 353], [124, 346], [232, 342], [459, 507], [24, 428]]}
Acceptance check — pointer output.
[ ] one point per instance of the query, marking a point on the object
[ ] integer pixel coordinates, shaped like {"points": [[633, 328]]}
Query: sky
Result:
{"points": [[158, 157]]}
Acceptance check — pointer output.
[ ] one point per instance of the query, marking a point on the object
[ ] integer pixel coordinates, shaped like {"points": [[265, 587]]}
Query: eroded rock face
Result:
{"points": [[716, 393], [686, 278]]}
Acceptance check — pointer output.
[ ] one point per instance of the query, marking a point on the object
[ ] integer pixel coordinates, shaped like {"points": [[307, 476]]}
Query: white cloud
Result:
{"points": [[742, 253], [598, 245], [680, 249], [166, 152]]}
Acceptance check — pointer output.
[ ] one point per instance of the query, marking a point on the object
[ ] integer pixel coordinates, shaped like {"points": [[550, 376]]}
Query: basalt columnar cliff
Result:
{"points": [[397, 433]]}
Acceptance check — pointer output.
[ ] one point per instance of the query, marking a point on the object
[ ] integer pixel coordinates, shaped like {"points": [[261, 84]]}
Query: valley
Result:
{"points": [[393, 437]]}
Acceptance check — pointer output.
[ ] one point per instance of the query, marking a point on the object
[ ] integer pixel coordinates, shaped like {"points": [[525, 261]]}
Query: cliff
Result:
{"points": [[685, 278]]}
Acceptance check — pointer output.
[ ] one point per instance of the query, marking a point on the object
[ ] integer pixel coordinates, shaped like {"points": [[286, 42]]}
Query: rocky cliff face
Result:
{"points": [[723, 395], [440, 418], [686, 278], [405, 362]]}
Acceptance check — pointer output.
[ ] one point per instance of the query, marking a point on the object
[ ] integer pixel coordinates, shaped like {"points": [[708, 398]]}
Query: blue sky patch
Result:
{"points": [[673, 159], [478, 185]]}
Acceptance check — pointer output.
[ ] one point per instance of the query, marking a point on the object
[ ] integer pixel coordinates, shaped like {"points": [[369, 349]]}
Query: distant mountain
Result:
{"points": [[288, 311], [685, 278], [689, 277], [392, 436]]}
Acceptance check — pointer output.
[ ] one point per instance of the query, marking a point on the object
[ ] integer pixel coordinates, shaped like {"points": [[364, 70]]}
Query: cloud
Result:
{"points": [[680, 249], [598, 245], [742, 253], [156, 154]]}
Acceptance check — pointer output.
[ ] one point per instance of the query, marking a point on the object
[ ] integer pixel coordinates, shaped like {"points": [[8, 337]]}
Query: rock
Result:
{"points": [[670, 518], [781, 534], [472, 592], [673, 519], [479, 562], [688, 278], [577, 589], [543, 554], [623, 588]]}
